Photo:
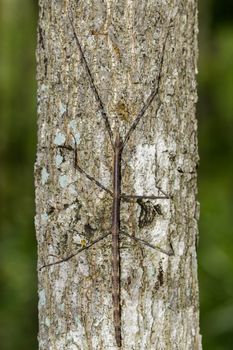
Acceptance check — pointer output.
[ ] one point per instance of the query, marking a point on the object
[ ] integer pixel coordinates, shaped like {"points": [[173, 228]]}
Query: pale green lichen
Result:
{"points": [[61, 307], [63, 181], [58, 160], [42, 298], [44, 176], [44, 218], [73, 126], [62, 108], [60, 139], [47, 321]]}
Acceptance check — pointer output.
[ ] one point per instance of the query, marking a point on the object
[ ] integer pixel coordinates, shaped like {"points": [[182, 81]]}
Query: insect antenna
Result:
{"points": [[150, 98], [92, 83]]}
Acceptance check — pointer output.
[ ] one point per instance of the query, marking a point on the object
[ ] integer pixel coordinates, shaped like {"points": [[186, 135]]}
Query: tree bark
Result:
{"points": [[125, 44]]}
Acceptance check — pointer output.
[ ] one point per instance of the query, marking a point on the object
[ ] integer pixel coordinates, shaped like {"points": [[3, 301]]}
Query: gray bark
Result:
{"points": [[122, 41]]}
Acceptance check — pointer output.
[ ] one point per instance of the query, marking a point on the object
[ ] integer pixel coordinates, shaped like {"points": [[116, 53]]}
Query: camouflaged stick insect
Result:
{"points": [[118, 144]]}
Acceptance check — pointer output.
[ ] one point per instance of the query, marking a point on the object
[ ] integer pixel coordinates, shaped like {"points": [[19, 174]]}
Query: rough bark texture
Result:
{"points": [[122, 41]]}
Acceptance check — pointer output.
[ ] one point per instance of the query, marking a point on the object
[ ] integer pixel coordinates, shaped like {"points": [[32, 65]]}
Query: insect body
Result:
{"points": [[118, 146], [115, 238]]}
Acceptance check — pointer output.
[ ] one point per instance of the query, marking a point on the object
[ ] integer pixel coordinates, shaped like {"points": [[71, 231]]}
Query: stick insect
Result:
{"points": [[118, 144]]}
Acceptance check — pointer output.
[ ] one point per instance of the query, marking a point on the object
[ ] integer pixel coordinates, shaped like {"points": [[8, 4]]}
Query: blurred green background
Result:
{"points": [[18, 296]]}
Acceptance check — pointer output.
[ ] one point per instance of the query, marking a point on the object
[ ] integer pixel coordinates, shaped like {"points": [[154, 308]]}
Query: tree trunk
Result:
{"points": [[132, 49]]}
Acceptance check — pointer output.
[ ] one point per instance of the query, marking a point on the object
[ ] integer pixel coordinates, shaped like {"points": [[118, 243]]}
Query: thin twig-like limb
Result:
{"points": [[164, 193], [140, 115], [91, 178], [76, 253], [161, 250], [151, 97], [97, 96], [126, 196]]}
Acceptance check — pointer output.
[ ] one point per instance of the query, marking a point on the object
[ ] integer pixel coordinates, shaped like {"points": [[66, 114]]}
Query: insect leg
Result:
{"points": [[128, 197], [76, 253], [161, 250], [91, 178], [82, 171]]}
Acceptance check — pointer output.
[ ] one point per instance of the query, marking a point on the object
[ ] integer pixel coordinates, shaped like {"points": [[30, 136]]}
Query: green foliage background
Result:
{"points": [[18, 295]]}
